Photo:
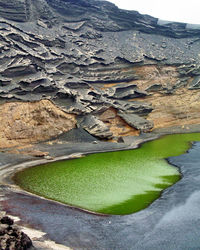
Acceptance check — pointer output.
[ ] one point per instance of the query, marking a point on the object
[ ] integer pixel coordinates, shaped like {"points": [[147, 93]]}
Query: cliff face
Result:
{"points": [[115, 72], [23, 123]]}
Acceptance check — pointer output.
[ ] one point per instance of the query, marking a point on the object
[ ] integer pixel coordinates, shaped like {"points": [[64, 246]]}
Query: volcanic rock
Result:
{"points": [[195, 84], [137, 122], [95, 127], [87, 57], [11, 237]]}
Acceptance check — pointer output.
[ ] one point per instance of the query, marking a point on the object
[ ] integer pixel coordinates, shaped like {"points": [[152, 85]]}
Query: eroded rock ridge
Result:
{"points": [[109, 71]]}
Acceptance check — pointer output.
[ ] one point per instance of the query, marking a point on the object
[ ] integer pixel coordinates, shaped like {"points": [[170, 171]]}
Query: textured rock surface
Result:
{"points": [[95, 127], [89, 57], [117, 126], [137, 122], [23, 123], [181, 108], [11, 237]]}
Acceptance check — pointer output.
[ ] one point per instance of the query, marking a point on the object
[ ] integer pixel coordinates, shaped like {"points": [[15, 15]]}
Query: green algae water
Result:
{"points": [[118, 183]]}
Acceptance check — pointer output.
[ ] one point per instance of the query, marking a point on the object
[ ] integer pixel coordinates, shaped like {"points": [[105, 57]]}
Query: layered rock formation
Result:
{"points": [[109, 71]]}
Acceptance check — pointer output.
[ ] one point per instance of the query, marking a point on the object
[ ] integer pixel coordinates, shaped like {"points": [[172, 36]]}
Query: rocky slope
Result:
{"points": [[67, 63], [23, 122]]}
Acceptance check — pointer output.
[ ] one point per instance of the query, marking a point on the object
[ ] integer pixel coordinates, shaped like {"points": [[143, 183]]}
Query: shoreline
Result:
{"points": [[8, 170]]}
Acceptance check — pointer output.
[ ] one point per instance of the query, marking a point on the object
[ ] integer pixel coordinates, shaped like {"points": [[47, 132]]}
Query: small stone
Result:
{"points": [[164, 45], [120, 140], [48, 157], [6, 220], [3, 229]]}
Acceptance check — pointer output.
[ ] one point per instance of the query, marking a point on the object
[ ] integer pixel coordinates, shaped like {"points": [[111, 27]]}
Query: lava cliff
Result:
{"points": [[88, 64]]}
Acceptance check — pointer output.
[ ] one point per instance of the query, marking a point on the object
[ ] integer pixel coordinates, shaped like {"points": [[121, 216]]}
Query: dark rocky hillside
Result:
{"points": [[91, 65]]}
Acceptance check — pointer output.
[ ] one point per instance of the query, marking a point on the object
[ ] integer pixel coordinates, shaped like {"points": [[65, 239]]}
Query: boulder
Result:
{"points": [[95, 127], [136, 121]]}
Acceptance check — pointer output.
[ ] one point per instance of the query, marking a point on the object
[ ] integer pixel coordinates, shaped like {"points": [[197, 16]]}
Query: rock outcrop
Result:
{"points": [[23, 122], [11, 237], [93, 60]]}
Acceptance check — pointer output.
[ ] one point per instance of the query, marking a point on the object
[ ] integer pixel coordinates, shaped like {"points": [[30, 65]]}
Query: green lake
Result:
{"points": [[120, 182]]}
